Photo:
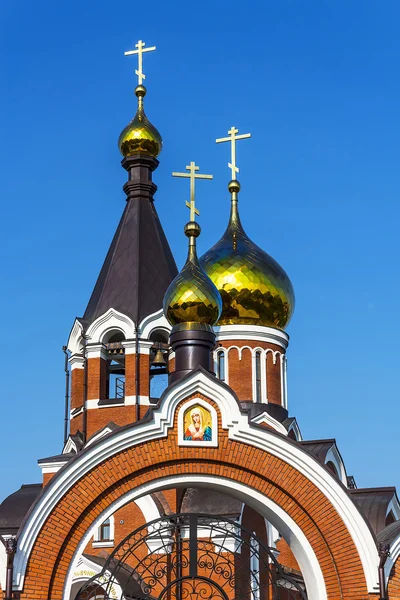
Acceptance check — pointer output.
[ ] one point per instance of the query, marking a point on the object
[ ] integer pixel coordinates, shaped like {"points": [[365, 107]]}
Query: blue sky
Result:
{"points": [[316, 83]]}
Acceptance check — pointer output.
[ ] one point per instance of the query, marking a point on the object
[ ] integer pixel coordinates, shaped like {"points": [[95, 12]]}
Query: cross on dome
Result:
{"points": [[140, 51], [232, 139], [192, 175]]}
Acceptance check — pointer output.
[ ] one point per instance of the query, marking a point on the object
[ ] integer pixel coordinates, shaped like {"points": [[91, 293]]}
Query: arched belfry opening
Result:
{"points": [[193, 556], [159, 358], [115, 366]]}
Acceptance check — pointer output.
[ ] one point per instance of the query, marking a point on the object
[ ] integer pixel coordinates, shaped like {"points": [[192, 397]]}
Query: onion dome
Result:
{"points": [[255, 290], [140, 136], [192, 297]]}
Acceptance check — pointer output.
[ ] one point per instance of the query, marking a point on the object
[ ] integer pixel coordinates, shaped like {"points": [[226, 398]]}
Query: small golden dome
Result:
{"points": [[255, 290], [140, 136], [192, 296]]}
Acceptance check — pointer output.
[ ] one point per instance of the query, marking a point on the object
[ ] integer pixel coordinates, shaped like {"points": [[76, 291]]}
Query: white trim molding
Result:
{"points": [[239, 429], [112, 320], [265, 418], [257, 333], [48, 466]]}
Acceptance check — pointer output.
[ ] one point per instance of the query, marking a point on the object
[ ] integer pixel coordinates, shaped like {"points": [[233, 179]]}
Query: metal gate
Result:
{"points": [[192, 557]]}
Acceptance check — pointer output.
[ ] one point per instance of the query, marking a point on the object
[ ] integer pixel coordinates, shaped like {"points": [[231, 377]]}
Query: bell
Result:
{"points": [[159, 360]]}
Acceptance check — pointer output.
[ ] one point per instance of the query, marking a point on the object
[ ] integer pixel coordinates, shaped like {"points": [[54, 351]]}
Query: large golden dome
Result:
{"points": [[140, 136], [255, 290], [191, 296]]}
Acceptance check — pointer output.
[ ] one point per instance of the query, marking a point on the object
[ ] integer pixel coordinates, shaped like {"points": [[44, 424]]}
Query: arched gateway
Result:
{"points": [[182, 476], [192, 556]]}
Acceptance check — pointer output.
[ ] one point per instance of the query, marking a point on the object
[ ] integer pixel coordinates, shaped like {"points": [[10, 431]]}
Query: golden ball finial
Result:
{"points": [[234, 186], [140, 136], [192, 297]]}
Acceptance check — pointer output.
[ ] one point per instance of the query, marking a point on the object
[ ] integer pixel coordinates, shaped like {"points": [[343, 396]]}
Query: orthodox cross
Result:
{"points": [[192, 175], [232, 139], [140, 51]]}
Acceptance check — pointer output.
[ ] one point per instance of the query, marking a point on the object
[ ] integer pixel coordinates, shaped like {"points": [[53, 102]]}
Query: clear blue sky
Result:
{"points": [[316, 83]]}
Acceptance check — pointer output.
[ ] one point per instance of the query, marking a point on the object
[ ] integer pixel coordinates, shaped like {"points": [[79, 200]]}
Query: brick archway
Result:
{"points": [[264, 462], [59, 538]]}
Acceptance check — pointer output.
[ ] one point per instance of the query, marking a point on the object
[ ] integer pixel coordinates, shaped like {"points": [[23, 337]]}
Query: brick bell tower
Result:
{"points": [[112, 347]]}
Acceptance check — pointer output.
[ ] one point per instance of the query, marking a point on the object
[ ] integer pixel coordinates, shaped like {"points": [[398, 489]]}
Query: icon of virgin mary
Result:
{"points": [[196, 430]]}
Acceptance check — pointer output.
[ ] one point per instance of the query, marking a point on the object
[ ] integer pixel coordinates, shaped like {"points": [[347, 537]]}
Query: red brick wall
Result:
{"points": [[241, 371], [107, 482], [77, 384]]}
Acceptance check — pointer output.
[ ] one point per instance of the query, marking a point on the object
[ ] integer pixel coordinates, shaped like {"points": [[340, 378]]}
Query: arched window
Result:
{"points": [[221, 366], [258, 376], [105, 531], [104, 535]]}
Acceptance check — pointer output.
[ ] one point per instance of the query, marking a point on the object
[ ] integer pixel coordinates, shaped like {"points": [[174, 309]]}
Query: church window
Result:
{"points": [[105, 530], [104, 535], [258, 376], [221, 365]]}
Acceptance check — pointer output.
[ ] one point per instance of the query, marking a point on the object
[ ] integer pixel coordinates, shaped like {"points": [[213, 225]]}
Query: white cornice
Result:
{"points": [[52, 467], [96, 351], [76, 361], [252, 332], [239, 429]]}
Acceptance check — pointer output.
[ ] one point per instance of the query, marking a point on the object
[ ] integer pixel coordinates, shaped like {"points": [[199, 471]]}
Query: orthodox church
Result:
{"points": [[182, 475]]}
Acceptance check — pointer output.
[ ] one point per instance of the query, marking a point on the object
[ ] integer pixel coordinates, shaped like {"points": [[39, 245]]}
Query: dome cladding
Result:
{"points": [[192, 297], [255, 290]]}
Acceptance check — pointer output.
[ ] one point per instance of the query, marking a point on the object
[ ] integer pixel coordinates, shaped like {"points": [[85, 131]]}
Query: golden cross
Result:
{"points": [[192, 168], [232, 139], [140, 50]]}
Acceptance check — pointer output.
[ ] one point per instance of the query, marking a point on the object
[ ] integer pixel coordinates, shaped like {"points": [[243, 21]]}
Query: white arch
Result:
{"points": [[292, 533], [238, 427], [155, 321], [148, 507], [112, 319], [75, 340]]}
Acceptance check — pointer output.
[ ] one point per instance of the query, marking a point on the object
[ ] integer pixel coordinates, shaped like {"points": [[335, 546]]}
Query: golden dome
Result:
{"points": [[140, 136], [192, 297], [255, 290]]}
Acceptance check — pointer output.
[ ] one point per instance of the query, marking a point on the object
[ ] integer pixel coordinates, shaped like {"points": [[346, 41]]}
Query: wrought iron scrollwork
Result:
{"points": [[192, 557]]}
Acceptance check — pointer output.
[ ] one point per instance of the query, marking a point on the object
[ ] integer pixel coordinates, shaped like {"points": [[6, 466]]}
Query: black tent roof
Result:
{"points": [[139, 265]]}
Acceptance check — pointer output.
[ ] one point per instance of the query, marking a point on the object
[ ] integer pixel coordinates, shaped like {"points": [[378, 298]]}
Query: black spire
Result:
{"points": [[139, 265]]}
